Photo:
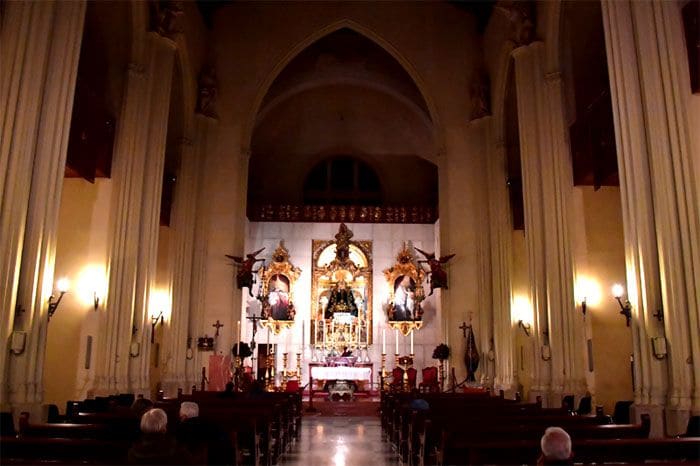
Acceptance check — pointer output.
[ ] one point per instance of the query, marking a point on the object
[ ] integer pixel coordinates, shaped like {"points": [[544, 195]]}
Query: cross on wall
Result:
{"points": [[217, 325]]}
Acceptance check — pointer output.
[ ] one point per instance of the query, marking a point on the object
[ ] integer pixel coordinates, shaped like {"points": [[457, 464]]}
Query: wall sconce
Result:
{"points": [[659, 314], [154, 322], [525, 326], [96, 299], [626, 307], [62, 287], [583, 306]]}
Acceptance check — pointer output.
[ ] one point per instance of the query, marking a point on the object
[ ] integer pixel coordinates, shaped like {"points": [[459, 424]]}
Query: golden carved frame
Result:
{"points": [[323, 278], [405, 265], [280, 265]]}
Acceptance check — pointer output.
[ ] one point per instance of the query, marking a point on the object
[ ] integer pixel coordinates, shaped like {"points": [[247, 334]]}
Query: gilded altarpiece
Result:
{"points": [[341, 294]]}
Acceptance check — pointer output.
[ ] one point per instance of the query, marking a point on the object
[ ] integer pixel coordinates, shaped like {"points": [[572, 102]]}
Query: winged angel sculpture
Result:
{"points": [[244, 275], [438, 276]]}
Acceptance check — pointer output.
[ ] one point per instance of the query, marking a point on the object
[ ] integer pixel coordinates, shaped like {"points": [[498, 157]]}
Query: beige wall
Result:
{"points": [[602, 266], [81, 255]]}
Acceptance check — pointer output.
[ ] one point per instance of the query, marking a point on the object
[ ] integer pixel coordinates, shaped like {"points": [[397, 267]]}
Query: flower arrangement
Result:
{"points": [[245, 350], [441, 352]]}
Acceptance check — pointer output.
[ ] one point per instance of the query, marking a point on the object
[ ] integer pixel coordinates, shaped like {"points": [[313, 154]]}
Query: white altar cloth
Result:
{"points": [[341, 373]]}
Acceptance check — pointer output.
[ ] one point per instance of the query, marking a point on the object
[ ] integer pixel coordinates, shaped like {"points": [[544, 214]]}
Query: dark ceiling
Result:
{"points": [[481, 9]]}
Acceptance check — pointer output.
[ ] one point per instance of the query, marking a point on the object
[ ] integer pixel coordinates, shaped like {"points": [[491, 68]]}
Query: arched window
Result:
{"points": [[342, 180]]}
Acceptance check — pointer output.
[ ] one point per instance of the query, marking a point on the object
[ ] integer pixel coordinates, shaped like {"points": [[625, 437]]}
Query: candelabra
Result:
{"points": [[285, 357], [383, 370], [299, 367], [270, 386]]}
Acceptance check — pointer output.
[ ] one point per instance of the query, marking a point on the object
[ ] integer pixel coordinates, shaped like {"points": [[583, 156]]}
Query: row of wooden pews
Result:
{"points": [[261, 428], [478, 428]]}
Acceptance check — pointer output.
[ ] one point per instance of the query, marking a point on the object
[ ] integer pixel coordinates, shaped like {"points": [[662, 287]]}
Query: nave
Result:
{"points": [[340, 441]]}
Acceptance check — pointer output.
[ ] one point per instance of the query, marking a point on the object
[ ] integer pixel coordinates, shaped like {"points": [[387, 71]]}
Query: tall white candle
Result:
{"points": [[237, 335], [411, 342], [240, 331], [383, 341], [303, 333], [268, 337], [396, 339]]}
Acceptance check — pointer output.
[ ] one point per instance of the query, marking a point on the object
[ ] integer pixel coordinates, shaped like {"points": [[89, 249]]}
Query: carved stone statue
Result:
{"points": [[342, 241], [480, 96], [520, 15], [167, 17], [438, 276], [207, 92]]}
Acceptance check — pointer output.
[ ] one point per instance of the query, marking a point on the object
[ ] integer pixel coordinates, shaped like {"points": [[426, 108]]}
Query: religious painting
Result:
{"points": [[277, 281], [405, 280], [341, 294]]}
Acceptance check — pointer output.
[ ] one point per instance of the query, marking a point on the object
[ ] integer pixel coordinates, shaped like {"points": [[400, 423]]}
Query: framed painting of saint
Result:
{"points": [[277, 281]]}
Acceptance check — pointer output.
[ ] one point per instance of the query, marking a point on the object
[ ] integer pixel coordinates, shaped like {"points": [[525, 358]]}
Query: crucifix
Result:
{"points": [[255, 319], [464, 328], [217, 325]]}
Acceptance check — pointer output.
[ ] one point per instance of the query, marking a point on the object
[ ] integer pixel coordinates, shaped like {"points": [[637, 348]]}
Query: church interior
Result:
{"points": [[349, 232]]}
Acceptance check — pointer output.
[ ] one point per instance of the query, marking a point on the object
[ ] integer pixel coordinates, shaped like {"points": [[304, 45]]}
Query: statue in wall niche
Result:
{"points": [[520, 15], [166, 17], [244, 275], [480, 96], [438, 276], [207, 92]]}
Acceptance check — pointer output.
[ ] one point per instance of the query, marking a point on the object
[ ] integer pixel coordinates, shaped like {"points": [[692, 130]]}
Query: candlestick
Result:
{"points": [[284, 369], [411, 342], [396, 339], [383, 341]]}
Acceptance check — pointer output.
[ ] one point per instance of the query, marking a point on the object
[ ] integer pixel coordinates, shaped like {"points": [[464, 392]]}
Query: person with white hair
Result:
{"points": [[205, 442], [556, 447], [155, 445], [188, 410]]}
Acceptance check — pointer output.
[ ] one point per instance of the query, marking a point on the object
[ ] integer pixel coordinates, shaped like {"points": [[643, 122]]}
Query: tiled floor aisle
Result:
{"points": [[340, 441]]}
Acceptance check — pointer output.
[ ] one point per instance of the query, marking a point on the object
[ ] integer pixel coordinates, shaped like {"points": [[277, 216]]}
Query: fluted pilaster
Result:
{"points": [[659, 201], [137, 172], [39, 66]]}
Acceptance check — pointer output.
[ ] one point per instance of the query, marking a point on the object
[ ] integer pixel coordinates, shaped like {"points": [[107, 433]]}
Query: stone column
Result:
{"points": [[546, 167], [184, 281], [500, 228], [41, 48], [659, 201], [137, 172]]}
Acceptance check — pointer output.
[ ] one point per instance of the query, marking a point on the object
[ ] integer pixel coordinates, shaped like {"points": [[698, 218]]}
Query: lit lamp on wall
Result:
{"points": [[625, 308], [522, 311], [62, 287], [154, 321]]}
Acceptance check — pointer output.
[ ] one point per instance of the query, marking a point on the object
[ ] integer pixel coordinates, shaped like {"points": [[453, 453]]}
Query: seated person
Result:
{"points": [[341, 300], [347, 352], [155, 446], [141, 405], [556, 447], [203, 441]]}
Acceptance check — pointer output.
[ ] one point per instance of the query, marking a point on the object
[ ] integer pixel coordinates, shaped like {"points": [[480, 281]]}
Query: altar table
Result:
{"points": [[341, 373]]}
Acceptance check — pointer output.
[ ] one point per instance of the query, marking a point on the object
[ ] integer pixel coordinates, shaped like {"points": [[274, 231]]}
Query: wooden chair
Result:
{"points": [[396, 379], [430, 381]]}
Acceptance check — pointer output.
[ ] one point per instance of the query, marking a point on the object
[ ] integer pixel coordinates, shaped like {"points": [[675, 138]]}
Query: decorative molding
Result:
{"points": [[335, 214], [166, 17], [520, 15]]}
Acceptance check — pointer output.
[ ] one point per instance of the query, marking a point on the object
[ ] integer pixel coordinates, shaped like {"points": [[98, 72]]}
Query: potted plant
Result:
{"points": [[441, 353]]}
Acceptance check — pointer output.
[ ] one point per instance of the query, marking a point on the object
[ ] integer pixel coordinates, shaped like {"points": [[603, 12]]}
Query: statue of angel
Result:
{"points": [[438, 276], [244, 275]]}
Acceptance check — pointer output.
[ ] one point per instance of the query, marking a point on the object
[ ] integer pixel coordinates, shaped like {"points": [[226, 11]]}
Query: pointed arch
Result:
{"points": [[314, 37]]}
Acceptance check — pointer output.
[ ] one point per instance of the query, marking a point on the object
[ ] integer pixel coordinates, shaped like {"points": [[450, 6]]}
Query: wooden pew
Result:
{"points": [[34, 450]]}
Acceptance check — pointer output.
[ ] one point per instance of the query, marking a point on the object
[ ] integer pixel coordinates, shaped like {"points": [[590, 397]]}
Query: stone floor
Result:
{"points": [[340, 441]]}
